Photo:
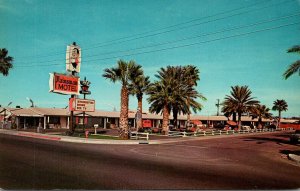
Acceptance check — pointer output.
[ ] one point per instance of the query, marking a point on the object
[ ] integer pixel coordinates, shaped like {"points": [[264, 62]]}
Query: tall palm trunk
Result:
{"points": [[188, 119], [124, 113], [239, 120], [175, 117], [279, 117], [188, 115], [165, 124], [139, 122], [234, 116], [259, 125]]}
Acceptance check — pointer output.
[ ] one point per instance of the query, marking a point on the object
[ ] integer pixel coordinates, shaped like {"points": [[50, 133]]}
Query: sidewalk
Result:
{"points": [[153, 139], [62, 138]]}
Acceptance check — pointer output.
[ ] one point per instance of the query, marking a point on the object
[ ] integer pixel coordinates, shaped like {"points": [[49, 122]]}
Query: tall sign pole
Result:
{"points": [[71, 115], [73, 62], [68, 84]]}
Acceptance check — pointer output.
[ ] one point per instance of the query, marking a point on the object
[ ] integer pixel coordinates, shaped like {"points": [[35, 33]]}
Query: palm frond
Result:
{"points": [[239, 101], [292, 69], [110, 74], [280, 105], [294, 49], [5, 62]]}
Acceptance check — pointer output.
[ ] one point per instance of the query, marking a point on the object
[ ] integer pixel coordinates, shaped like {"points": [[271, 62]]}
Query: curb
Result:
{"points": [[75, 139], [106, 141], [295, 158], [39, 136]]}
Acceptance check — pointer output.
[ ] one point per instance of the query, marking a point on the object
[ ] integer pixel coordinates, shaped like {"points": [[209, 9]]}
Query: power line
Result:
{"points": [[183, 23], [207, 41], [186, 45], [188, 38], [97, 45], [185, 27], [201, 35]]}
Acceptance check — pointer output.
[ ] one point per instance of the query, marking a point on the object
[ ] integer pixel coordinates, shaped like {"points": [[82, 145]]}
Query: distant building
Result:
{"points": [[24, 118]]}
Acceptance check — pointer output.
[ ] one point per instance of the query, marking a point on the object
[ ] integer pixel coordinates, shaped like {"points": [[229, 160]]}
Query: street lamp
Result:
{"points": [[32, 105]]}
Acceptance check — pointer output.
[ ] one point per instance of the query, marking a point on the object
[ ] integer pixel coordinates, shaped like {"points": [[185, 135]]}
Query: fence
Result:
{"points": [[222, 132], [137, 135], [175, 134]]}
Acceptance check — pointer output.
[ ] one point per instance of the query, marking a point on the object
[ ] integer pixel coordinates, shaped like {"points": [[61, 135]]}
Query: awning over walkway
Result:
{"points": [[197, 122], [231, 123]]}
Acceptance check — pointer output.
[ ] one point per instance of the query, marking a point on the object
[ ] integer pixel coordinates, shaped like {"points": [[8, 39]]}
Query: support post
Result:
{"points": [[83, 116], [104, 122], [24, 122], [4, 120], [39, 125], [45, 121], [68, 122], [17, 122]]}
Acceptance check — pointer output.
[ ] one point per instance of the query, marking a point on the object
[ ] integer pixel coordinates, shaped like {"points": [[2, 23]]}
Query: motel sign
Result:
{"points": [[84, 105], [64, 84]]}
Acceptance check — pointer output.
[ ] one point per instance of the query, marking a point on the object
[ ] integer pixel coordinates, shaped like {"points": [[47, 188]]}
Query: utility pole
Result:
{"points": [[218, 106]]}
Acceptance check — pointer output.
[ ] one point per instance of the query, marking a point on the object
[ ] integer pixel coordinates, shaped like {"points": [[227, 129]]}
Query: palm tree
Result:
{"points": [[185, 94], [171, 93], [138, 87], [183, 98], [160, 95], [279, 105], [124, 73], [240, 101], [260, 111], [5, 61], [293, 68], [191, 76], [229, 110], [159, 99]]}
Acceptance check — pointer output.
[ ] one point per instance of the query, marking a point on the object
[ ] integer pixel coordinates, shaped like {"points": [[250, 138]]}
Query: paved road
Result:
{"points": [[250, 162]]}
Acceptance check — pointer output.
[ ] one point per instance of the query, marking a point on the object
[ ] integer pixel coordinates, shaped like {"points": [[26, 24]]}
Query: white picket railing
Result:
{"points": [[219, 132], [137, 135], [176, 134]]}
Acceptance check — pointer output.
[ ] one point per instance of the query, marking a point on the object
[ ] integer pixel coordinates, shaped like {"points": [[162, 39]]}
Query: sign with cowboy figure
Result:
{"points": [[73, 58]]}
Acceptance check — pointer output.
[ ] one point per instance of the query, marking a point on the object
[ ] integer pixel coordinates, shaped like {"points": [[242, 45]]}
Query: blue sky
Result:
{"points": [[223, 38]]}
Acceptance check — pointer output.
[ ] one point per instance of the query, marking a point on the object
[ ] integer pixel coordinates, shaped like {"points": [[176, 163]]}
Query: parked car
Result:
{"points": [[271, 126], [295, 137], [156, 130], [145, 130], [247, 128], [171, 127], [219, 126]]}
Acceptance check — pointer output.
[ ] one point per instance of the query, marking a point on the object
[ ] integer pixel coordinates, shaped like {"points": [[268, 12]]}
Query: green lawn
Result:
{"points": [[100, 137]]}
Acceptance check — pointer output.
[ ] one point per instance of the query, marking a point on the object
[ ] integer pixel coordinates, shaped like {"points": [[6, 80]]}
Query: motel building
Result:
{"points": [[59, 118]]}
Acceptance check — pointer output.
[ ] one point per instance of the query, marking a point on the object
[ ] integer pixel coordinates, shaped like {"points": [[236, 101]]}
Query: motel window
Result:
{"points": [[54, 120]]}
